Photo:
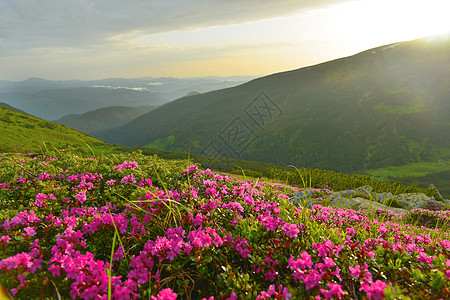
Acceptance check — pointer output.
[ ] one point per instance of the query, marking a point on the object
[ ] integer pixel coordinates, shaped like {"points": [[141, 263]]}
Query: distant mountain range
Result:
{"points": [[55, 103], [385, 106], [54, 99]]}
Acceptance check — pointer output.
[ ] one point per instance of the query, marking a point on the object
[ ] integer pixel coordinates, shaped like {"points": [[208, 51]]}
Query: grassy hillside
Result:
{"points": [[382, 107], [7, 106], [25, 133], [103, 119], [422, 174]]}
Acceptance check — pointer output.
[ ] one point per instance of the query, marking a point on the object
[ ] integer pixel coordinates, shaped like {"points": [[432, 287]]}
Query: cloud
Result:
{"points": [[89, 24]]}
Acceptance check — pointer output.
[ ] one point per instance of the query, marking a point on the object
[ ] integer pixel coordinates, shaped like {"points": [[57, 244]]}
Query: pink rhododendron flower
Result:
{"points": [[165, 294], [128, 179], [44, 176], [424, 258], [447, 272], [81, 197], [335, 291], [191, 169], [374, 290], [5, 239], [382, 229], [329, 262], [312, 279], [270, 275], [290, 230], [355, 271], [40, 198], [282, 293], [127, 165], [30, 231]]}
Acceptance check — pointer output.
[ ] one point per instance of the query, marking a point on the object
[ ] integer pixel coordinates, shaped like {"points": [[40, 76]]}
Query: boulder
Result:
{"points": [[413, 200]]}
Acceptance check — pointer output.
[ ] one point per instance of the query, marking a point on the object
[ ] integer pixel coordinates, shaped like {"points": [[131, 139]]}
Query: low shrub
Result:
{"points": [[134, 226]]}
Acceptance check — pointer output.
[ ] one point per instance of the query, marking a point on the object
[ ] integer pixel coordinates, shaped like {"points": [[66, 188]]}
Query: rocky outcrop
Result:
{"points": [[364, 195], [363, 198]]}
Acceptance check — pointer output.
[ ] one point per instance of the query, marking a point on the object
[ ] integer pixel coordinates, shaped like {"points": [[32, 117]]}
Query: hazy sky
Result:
{"points": [[92, 39]]}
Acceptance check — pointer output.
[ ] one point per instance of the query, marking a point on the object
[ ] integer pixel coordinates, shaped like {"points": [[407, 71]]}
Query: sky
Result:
{"points": [[94, 39]]}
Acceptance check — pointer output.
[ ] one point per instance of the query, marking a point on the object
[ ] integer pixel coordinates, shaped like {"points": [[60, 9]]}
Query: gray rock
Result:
{"points": [[346, 192], [303, 194], [412, 200], [435, 188], [345, 202], [368, 205], [303, 202], [382, 197], [302, 198], [366, 189]]}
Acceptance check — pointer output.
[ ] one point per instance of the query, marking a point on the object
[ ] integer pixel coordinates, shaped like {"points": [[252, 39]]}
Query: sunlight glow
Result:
{"points": [[397, 19], [257, 47]]}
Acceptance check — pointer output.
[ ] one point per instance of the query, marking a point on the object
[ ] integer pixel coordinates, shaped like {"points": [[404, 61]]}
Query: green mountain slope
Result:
{"points": [[25, 133], [385, 106], [7, 106], [103, 118]]}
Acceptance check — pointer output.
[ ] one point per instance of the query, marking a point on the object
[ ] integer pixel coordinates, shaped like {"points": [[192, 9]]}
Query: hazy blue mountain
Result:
{"points": [[55, 103], [172, 87], [103, 118], [385, 106], [50, 99]]}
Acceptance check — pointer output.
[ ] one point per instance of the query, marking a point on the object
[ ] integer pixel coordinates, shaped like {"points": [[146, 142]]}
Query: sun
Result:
{"points": [[369, 23], [410, 18], [428, 17]]}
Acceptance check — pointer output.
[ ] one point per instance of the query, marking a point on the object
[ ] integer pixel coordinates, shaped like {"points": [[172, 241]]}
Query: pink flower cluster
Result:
{"points": [[127, 165], [207, 227]]}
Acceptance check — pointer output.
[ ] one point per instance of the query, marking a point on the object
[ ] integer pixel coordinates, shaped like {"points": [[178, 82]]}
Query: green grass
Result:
{"points": [[25, 133], [410, 170]]}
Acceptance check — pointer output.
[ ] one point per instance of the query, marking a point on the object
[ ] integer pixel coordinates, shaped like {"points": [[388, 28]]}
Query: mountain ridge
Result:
{"points": [[103, 118], [394, 94]]}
